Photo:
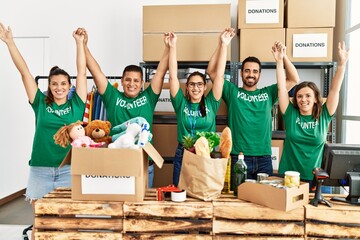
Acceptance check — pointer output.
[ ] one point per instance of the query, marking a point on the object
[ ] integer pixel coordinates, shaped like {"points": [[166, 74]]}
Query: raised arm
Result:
{"points": [[81, 81], [278, 51], [334, 92], [158, 79], [211, 69], [28, 80], [292, 75], [94, 68], [173, 67], [220, 52]]}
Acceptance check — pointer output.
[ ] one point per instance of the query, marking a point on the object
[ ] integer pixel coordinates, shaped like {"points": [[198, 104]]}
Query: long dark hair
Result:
{"points": [[53, 72], [187, 95], [317, 105]]}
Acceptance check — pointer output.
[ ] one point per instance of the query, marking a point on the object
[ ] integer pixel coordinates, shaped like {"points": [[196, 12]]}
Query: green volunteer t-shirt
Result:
{"points": [[189, 118], [120, 108], [304, 141], [250, 118], [48, 120]]}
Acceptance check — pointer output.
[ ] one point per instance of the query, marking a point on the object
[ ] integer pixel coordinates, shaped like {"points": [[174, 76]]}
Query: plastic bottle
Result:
{"points": [[240, 172]]}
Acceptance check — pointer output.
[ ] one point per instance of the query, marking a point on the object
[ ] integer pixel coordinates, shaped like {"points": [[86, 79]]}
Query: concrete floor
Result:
{"points": [[17, 212], [15, 216]]}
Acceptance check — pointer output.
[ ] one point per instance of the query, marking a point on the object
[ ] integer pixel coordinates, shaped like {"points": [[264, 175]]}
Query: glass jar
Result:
{"points": [[292, 179]]}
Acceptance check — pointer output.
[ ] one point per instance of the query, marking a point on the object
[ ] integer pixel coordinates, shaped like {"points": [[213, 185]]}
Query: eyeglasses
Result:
{"points": [[198, 84]]}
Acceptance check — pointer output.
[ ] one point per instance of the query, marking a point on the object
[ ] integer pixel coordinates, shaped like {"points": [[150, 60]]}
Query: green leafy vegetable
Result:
{"points": [[212, 137]]}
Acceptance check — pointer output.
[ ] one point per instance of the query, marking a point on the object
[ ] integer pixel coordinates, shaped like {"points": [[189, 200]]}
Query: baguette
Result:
{"points": [[225, 145]]}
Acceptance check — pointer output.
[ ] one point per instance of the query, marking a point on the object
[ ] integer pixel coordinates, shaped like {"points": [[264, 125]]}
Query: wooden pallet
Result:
{"points": [[167, 220], [339, 221], [240, 219], [57, 216]]}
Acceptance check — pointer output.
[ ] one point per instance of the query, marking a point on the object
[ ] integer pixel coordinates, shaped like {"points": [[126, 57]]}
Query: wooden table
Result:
{"points": [[59, 217]]}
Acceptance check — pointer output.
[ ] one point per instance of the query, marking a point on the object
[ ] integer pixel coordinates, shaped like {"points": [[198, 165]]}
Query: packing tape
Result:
{"points": [[178, 196]]}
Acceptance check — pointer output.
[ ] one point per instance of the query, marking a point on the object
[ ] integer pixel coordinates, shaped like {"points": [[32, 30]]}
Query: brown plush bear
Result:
{"points": [[99, 130]]}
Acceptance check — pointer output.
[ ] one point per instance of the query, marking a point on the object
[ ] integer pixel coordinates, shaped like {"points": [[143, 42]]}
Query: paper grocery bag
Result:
{"points": [[201, 177]]}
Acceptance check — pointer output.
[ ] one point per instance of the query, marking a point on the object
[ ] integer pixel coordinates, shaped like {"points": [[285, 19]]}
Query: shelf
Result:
{"points": [[171, 119], [301, 65], [148, 66], [264, 65], [278, 134], [153, 65]]}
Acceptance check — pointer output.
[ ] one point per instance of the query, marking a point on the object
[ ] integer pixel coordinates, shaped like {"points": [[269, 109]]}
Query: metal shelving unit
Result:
{"points": [[328, 71], [149, 66]]}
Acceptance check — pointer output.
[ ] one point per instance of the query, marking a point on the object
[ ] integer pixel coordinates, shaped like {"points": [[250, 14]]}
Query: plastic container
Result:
{"points": [[240, 172], [292, 179]]}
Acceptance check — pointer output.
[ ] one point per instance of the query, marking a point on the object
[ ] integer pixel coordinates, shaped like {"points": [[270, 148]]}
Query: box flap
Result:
{"points": [[67, 159], [156, 157], [105, 161]]}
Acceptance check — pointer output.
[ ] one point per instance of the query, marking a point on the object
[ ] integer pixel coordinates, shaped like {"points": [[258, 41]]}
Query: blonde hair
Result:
{"points": [[62, 136]]}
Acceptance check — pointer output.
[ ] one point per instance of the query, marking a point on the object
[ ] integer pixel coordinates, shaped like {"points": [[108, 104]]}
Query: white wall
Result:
{"points": [[114, 27], [17, 121], [115, 39]]}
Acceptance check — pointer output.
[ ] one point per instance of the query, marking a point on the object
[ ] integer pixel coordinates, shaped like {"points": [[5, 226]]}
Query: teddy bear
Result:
{"points": [[74, 134], [99, 130]]}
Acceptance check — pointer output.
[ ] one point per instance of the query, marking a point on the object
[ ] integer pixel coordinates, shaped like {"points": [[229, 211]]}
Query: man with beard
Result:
{"points": [[250, 117]]}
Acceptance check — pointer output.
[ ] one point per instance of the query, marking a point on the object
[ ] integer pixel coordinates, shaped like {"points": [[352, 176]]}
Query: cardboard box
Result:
{"points": [[186, 18], [163, 176], [194, 47], [165, 139], [258, 43], [309, 44], [310, 13], [276, 149], [110, 174], [164, 104], [273, 197], [260, 14]]}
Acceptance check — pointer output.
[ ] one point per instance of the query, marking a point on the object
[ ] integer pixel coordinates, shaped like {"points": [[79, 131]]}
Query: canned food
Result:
{"points": [[266, 182], [250, 180], [292, 179], [262, 176]]}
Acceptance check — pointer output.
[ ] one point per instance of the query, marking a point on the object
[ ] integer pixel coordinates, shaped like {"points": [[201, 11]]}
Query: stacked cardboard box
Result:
{"points": [[309, 33], [261, 24], [197, 28]]}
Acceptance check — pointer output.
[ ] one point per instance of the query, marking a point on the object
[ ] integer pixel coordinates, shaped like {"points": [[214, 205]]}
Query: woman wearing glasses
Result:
{"points": [[194, 111]]}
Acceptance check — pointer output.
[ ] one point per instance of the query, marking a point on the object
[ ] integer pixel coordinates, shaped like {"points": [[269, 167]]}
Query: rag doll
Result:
{"points": [[74, 134]]}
